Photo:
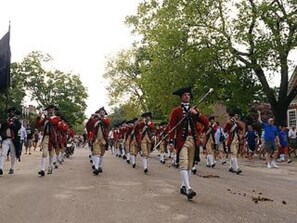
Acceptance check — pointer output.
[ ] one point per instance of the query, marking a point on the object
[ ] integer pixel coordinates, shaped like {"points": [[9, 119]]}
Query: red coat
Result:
{"points": [[231, 135], [53, 122], [104, 124], [175, 116], [140, 127]]}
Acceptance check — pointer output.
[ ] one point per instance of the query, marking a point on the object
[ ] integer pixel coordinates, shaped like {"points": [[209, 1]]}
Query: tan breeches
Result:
{"points": [[127, 145], [98, 148], [45, 151], [234, 148], [133, 148], [146, 147], [162, 147], [210, 147], [187, 154]]}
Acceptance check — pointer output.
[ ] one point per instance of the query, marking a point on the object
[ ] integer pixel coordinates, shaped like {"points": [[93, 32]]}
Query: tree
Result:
{"points": [[124, 74], [65, 90], [211, 41]]}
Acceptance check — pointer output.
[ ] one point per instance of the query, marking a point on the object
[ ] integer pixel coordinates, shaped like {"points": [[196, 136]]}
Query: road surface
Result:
{"points": [[123, 194]]}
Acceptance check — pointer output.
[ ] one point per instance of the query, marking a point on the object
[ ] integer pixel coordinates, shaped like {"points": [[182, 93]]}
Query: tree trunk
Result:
{"points": [[280, 114]]}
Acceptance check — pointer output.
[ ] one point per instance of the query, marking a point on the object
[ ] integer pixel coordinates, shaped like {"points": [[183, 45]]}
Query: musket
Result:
{"points": [[171, 130]]}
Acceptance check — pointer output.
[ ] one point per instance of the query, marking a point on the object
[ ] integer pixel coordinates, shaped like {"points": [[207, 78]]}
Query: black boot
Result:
{"points": [[191, 194], [183, 190], [41, 173]]}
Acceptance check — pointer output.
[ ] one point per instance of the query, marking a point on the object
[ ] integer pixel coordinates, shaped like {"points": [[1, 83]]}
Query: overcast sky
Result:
{"points": [[78, 34]]}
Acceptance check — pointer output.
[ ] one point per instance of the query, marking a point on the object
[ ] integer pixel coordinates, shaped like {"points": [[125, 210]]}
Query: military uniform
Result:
{"points": [[146, 130], [100, 140], [232, 128], [185, 135], [49, 141]]}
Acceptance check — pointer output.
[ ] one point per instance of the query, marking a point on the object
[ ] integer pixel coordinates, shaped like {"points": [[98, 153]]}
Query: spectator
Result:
{"points": [[270, 140]]}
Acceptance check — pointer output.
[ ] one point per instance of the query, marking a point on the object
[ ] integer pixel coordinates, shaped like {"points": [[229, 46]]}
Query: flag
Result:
{"points": [[5, 61]]}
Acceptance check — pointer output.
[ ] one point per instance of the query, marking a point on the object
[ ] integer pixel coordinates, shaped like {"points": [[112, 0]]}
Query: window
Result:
{"points": [[292, 117]]}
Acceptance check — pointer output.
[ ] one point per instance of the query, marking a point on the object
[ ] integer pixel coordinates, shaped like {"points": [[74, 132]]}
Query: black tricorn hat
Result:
{"points": [[101, 109], [17, 112], [51, 106], [181, 91], [146, 114]]}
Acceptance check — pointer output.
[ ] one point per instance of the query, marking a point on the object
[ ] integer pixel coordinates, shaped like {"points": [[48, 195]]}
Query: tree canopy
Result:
{"points": [[65, 90], [236, 47]]}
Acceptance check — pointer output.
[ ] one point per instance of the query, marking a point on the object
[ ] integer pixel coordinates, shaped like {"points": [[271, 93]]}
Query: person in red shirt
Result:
{"points": [[100, 139], [49, 121], [185, 134]]}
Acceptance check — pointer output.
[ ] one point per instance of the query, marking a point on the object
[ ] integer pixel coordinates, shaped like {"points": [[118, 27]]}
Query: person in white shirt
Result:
{"points": [[292, 139], [220, 137]]}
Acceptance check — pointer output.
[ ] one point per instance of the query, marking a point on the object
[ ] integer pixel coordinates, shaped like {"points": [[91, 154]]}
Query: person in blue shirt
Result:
{"points": [[251, 137], [271, 139], [284, 148]]}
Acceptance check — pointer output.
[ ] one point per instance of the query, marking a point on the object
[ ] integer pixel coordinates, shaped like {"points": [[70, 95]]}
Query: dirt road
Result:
{"points": [[122, 194]]}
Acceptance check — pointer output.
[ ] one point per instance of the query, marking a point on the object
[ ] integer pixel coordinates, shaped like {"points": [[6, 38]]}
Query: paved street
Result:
{"points": [[123, 194]]}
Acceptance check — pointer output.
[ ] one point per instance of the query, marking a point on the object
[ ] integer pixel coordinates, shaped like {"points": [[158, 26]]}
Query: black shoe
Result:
{"points": [[117, 155], [191, 194], [91, 161], [213, 165], [239, 171], [128, 161], [194, 171], [183, 190], [1, 172], [145, 171], [100, 170], [124, 157], [134, 165], [231, 170], [289, 161], [41, 173], [90, 156], [224, 162], [163, 162], [120, 156], [49, 171], [96, 172], [11, 171], [56, 166], [93, 167], [207, 165]]}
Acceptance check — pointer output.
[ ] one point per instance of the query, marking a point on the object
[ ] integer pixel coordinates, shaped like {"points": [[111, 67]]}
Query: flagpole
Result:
{"points": [[8, 74]]}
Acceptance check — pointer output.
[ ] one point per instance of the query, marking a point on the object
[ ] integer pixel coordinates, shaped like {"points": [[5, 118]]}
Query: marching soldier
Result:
{"points": [[10, 139], [146, 129], [162, 131], [100, 139], [89, 128], [232, 128], [210, 142], [134, 144], [185, 133], [49, 142], [128, 138]]}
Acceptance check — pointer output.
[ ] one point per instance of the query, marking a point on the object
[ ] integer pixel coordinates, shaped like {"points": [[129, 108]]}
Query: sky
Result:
{"points": [[79, 34]]}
